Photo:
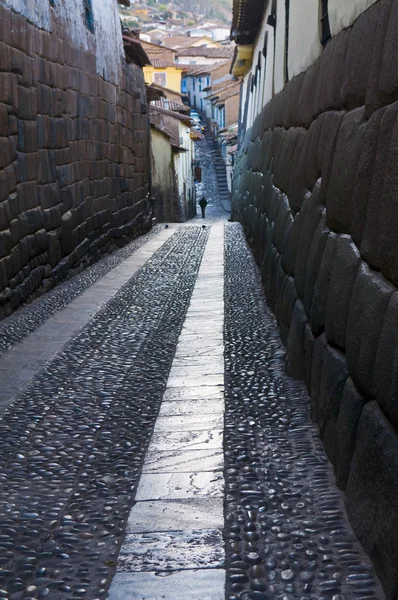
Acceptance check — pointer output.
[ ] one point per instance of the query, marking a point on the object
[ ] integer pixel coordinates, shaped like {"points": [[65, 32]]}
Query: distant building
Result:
{"points": [[203, 55], [173, 154], [196, 82]]}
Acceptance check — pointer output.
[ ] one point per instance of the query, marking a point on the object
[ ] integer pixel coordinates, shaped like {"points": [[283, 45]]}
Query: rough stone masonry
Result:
{"points": [[74, 145], [316, 192]]}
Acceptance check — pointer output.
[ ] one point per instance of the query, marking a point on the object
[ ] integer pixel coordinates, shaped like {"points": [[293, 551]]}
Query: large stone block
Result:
{"points": [[333, 379], [314, 259], [288, 301], [386, 364], [371, 494], [373, 100], [343, 274], [369, 300], [378, 246], [369, 173], [295, 353], [351, 407], [320, 295], [318, 356], [359, 57], [310, 217], [339, 206]]}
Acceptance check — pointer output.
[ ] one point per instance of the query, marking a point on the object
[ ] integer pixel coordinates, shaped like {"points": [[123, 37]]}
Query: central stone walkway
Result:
{"points": [[175, 527]]}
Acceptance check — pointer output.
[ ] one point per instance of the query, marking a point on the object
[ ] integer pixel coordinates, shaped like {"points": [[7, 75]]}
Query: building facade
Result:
{"points": [[315, 189], [74, 142]]}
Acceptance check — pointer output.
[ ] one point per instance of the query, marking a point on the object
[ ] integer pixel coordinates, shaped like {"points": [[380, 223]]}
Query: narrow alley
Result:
{"points": [[153, 446]]}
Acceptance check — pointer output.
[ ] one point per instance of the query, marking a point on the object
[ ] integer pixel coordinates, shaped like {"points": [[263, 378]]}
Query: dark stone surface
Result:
{"points": [[351, 407], [370, 297], [320, 295], [318, 357], [367, 174], [73, 442], [310, 217], [386, 363], [342, 178], [314, 261], [74, 156], [343, 274], [295, 351], [286, 532], [372, 494], [22, 323], [333, 378]]}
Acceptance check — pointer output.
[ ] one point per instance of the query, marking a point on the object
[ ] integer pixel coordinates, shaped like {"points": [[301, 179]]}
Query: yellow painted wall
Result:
{"points": [[173, 77]]}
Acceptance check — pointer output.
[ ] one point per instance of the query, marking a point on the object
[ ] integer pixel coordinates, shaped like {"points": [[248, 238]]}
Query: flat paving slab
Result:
{"points": [[203, 584], [183, 461], [189, 549], [187, 440], [179, 486], [196, 513]]}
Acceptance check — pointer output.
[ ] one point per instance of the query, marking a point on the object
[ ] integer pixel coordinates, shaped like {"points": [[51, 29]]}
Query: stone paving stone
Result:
{"points": [[172, 550], [174, 486], [194, 400], [52, 336], [183, 461], [19, 325], [189, 439], [194, 513], [73, 442], [195, 380], [174, 585], [191, 407], [287, 533], [189, 423]]}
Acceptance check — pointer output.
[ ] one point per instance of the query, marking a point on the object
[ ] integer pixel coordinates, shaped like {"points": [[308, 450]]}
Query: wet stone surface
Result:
{"points": [[287, 535], [26, 320], [74, 441]]}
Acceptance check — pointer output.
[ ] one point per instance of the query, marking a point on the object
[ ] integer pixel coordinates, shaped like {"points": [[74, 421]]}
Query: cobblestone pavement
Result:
{"points": [[286, 534], [75, 441], [26, 320]]}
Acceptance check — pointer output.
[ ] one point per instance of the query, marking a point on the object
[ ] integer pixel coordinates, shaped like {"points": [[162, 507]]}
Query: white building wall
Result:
{"points": [[279, 76], [106, 40], [304, 35], [343, 13]]}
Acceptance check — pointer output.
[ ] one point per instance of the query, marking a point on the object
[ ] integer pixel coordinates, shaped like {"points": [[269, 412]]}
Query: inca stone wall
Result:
{"points": [[74, 156], [316, 190]]}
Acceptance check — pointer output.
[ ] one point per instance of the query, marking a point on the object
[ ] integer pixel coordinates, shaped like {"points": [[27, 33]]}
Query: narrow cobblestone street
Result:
{"points": [[153, 446]]}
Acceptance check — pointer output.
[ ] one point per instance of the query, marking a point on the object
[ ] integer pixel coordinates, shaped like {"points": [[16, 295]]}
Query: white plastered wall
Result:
{"points": [[304, 35], [279, 76], [343, 13]]}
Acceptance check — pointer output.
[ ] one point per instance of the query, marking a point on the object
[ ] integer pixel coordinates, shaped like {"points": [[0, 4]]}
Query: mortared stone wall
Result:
{"points": [[74, 158], [316, 189]]}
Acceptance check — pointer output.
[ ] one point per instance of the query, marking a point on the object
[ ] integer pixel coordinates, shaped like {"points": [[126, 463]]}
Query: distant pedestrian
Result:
{"points": [[203, 204]]}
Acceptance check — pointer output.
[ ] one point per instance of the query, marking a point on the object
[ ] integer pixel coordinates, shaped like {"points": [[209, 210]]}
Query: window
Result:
{"points": [[160, 79], [88, 15], [287, 11], [325, 26], [52, 2]]}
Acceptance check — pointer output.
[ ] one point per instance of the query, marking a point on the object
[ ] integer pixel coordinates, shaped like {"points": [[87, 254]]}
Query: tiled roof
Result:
{"points": [[207, 52], [198, 70], [171, 105], [163, 64]]}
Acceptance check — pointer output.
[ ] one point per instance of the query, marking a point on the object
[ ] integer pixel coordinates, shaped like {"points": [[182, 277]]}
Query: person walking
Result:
{"points": [[203, 204]]}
